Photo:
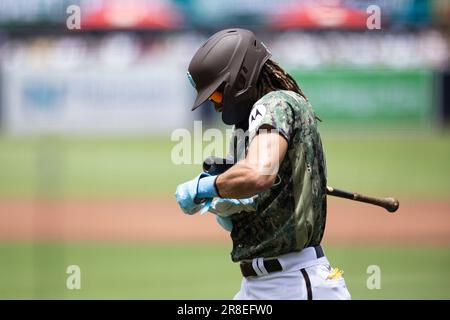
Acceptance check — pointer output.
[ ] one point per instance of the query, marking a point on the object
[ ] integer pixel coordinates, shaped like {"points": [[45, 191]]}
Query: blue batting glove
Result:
{"points": [[226, 207], [191, 195]]}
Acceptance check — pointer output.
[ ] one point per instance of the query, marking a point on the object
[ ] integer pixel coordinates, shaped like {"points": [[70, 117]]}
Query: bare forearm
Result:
{"points": [[257, 172], [242, 181]]}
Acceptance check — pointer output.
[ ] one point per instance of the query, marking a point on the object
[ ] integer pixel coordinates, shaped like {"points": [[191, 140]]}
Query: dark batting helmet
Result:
{"points": [[230, 59]]}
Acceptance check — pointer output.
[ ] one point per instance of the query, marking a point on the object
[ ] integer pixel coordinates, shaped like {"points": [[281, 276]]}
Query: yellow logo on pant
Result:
{"points": [[335, 274]]}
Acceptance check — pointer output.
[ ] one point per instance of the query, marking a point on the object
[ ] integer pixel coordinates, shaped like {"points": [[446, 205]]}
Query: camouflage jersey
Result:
{"points": [[291, 214]]}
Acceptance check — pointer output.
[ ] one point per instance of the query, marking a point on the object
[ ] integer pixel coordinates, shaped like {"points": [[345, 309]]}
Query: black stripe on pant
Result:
{"points": [[308, 283]]}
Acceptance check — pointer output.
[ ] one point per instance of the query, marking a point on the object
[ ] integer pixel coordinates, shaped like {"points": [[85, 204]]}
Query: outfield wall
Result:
{"points": [[155, 98], [147, 98]]}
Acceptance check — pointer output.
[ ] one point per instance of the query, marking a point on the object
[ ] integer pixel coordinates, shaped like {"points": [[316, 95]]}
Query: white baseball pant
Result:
{"points": [[304, 276]]}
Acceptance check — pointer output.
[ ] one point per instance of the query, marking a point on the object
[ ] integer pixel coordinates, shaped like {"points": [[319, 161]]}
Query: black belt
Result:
{"points": [[271, 265]]}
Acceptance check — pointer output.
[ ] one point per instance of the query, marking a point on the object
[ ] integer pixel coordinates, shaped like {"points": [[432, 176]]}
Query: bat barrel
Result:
{"points": [[390, 204]]}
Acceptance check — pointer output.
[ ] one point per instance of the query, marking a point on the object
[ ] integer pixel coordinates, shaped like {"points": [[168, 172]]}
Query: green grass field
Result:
{"points": [[407, 166], [201, 272]]}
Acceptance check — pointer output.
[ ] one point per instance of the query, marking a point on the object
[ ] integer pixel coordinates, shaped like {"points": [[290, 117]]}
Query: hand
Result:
{"points": [[186, 195], [227, 207]]}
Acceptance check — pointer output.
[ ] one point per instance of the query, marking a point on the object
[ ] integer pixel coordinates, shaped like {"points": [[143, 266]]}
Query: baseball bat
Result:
{"points": [[390, 204], [216, 165]]}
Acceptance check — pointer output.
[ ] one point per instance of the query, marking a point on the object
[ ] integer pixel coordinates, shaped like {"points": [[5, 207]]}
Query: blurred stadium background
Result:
{"points": [[86, 118]]}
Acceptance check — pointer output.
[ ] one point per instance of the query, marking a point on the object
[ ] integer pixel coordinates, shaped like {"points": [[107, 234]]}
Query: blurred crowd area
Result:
{"points": [[305, 49], [300, 33], [130, 57]]}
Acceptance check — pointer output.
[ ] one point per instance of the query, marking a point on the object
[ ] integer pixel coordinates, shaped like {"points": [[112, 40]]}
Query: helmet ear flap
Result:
{"points": [[240, 82], [241, 79]]}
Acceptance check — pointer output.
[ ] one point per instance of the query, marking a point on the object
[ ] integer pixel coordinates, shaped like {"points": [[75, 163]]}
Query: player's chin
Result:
{"points": [[218, 107]]}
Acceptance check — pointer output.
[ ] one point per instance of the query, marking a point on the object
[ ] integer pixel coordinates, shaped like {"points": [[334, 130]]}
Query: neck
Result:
{"points": [[243, 125]]}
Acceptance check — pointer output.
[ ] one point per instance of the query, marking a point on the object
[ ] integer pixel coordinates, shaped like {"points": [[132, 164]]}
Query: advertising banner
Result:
{"points": [[146, 99], [371, 96]]}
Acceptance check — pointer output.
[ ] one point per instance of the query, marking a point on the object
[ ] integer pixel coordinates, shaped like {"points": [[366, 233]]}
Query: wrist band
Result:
{"points": [[215, 187], [207, 187]]}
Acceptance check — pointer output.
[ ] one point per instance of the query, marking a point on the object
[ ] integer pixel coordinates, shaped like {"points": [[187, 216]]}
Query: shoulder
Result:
{"points": [[281, 103], [276, 109], [283, 98]]}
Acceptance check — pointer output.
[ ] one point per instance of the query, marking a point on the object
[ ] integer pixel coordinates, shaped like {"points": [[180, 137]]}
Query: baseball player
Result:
{"points": [[273, 199]]}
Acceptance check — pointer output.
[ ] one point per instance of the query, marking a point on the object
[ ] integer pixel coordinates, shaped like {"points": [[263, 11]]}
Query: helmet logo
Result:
{"points": [[191, 80]]}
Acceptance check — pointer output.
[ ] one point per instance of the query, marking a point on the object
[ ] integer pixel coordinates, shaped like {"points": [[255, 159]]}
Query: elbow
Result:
{"points": [[262, 182]]}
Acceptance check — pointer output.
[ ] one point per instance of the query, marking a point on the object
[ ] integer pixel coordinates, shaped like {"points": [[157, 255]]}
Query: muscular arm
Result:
{"points": [[257, 172]]}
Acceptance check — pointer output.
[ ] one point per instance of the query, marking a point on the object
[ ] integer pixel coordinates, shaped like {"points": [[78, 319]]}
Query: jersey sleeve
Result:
{"points": [[274, 111]]}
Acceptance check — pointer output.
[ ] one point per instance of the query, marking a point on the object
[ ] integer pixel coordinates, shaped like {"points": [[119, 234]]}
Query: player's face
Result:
{"points": [[216, 98]]}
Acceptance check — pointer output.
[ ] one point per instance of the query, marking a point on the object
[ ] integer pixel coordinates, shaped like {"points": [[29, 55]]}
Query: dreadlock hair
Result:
{"points": [[272, 77]]}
